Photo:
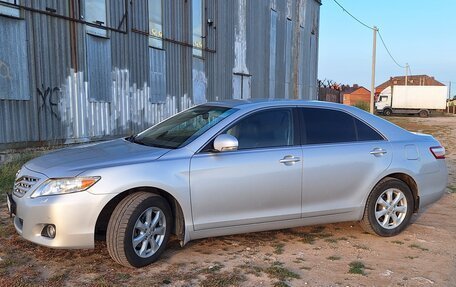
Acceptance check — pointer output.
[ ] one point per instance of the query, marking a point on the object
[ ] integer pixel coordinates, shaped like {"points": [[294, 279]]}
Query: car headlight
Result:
{"points": [[56, 186]]}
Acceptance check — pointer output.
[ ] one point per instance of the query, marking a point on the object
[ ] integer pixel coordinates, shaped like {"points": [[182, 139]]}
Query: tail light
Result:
{"points": [[438, 152]]}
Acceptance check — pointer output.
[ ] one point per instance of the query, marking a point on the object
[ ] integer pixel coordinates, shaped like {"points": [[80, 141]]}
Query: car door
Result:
{"points": [[342, 157], [259, 182]]}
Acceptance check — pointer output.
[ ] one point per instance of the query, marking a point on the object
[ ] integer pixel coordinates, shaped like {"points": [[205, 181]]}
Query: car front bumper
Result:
{"points": [[73, 215]]}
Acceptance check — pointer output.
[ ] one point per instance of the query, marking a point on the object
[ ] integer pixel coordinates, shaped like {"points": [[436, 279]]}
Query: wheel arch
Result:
{"points": [[176, 209], [410, 182]]}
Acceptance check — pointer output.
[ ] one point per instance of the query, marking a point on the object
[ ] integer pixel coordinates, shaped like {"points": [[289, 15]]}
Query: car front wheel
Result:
{"points": [[139, 229], [389, 208]]}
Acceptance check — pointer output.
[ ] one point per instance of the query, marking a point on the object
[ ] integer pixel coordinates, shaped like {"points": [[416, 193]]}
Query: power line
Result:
{"points": [[389, 53], [351, 15], [372, 28]]}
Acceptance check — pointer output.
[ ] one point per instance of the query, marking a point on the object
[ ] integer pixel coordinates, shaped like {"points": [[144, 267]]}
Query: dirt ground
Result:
{"points": [[327, 255]]}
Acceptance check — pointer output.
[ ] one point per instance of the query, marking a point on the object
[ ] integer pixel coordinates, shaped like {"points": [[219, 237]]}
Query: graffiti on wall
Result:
{"points": [[5, 71], [50, 98]]}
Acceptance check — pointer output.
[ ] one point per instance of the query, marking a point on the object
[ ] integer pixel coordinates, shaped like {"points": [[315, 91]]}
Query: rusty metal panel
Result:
{"points": [[14, 75]]}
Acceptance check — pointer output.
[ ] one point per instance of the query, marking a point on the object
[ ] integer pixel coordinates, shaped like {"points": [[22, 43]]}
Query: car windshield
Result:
{"points": [[182, 128]]}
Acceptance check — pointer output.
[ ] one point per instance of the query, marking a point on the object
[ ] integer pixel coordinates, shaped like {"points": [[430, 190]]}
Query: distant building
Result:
{"points": [[356, 94], [412, 80]]}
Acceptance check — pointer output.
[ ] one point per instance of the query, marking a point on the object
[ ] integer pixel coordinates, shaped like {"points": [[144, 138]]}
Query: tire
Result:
{"points": [[387, 112], [395, 217], [132, 218], [423, 114]]}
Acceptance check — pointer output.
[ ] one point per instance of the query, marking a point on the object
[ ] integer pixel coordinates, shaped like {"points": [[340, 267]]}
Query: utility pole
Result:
{"points": [[406, 73], [374, 52], [449, 97]]}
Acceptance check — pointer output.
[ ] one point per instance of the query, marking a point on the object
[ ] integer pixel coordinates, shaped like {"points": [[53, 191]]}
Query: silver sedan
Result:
{"points": [[229, 167]]}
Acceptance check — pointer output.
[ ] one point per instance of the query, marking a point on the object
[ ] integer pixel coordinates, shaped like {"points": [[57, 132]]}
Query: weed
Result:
{"points": [[357, 267], [9, 169], [452, 189], [6, 262], [331, 240], [299, 260], [308, 238], [397, 242], [411, 257], [123, 276], [361, 246], [251, 269], [213, 268], [276, 270], [223, 279], [417, 246], [333, 258], [278, 248], [317, 229], [280, 284]]}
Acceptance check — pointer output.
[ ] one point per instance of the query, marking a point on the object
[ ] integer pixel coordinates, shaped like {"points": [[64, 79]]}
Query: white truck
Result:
{"points": [[421, 100]]}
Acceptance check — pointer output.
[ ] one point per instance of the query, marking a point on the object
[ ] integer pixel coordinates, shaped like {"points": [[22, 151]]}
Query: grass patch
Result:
{"points": [[357, 267], [417, 246], [251, 269], [278, 248], [9, 169], [308, 238], [331, 240], [280, 284], [223, 279], [333, 258], [361, 246], [397, 242], [276, 270], [411, 257], [213, 268], [452, 189]]}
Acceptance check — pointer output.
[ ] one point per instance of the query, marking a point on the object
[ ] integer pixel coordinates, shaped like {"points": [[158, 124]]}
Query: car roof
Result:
{"points": [[258, 103]]}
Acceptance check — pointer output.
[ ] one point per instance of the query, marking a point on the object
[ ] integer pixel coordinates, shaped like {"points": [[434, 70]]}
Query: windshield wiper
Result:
{"points": [[133, 139], [130, 138]]}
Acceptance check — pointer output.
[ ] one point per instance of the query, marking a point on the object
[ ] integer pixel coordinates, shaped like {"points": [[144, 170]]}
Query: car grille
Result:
{"points": [[23, 184]]}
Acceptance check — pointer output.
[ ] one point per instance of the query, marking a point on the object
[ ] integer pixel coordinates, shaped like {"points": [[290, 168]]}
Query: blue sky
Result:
{"points": [[421, 33]]}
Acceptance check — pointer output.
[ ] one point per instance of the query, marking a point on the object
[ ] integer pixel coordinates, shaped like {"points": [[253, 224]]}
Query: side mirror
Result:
{"points": [[225, 142]]}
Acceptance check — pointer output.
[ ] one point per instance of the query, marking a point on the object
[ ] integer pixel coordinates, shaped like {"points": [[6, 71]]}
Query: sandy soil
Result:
{"points": [[423, 255]]}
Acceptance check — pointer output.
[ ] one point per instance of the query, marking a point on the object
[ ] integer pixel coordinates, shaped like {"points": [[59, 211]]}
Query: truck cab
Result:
{"points": [[382, 102]]}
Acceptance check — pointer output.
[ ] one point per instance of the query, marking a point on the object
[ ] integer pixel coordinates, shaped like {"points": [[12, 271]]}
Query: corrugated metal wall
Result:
{"points": [[83, 87]]}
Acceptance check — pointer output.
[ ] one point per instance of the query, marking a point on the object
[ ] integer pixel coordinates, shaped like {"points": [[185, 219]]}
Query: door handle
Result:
{"points": [[378, 152], [289, 160]]}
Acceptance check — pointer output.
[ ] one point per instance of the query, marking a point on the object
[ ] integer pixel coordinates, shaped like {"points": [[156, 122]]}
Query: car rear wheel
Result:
{"points": [[389, 208], [139, 229]]}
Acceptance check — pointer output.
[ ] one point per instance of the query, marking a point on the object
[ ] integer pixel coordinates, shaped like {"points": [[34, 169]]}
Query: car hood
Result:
{"points": [[75, 160]]}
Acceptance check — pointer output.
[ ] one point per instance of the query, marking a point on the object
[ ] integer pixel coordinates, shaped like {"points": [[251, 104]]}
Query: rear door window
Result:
{"points": [[324, 126], [366, 133]]}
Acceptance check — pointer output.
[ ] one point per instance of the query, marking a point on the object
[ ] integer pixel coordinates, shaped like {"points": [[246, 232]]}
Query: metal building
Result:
{"points": [[79, 70]]}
